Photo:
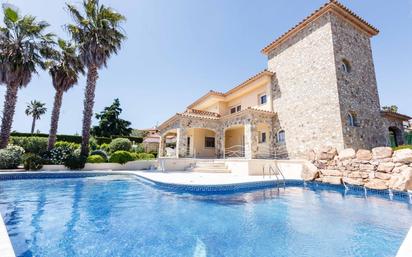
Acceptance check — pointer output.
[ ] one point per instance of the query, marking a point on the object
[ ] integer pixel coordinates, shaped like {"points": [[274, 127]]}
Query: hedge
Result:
{"points": [[78, 139], [67, 138]]}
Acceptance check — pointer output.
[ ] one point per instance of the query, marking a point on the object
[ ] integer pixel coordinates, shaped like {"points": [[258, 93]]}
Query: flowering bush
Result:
{"points": [[10, 158], [58, 155]]}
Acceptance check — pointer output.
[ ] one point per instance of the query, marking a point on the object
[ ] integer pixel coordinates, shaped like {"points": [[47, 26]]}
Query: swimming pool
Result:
{"points": [[121, 216]]}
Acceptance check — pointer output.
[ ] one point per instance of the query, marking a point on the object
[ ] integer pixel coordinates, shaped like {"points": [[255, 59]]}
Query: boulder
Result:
{"points": [[382, 175], [401, 181], [337, 173], [354, 181], [326, 153], [382, 152], [403, 156], [366, 167], [347, 154], [376, 184], [357, 174], [363, 155], [309, 172], [311, 155], [386, 167], [332, 180]]}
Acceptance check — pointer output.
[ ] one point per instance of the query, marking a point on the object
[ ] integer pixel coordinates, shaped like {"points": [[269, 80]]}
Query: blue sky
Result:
{"points": [[179, 49]]}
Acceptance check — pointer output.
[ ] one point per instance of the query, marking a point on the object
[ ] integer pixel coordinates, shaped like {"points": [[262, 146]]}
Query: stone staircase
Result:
{"points": [[209, 167]]}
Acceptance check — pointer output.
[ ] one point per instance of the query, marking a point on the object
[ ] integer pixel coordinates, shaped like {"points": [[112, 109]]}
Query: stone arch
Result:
{"points": [[166, 145], [395, 136], [202, 142]]}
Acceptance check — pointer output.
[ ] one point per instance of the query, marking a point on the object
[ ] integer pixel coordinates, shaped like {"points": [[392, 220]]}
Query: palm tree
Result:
{"points": [[64, 70], [99, 35], [23, 46], [35, 109]]}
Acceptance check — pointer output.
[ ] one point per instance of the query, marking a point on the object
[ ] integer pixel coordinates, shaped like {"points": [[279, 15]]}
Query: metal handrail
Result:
{"points": [[234, 153], [276, 172]]}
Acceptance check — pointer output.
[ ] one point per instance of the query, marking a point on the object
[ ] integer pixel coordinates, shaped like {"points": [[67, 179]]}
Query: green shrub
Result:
{"points": [[10, 158], [120, 144], [75, 162], [402, 147], [101, 153], [136, 140], [32, 162], [143, 156], [103, 140], [105, 147], [68, 138], [36, 145], [121, 157], [138, 148], [95, 159], [93, 144], [70, 145]]}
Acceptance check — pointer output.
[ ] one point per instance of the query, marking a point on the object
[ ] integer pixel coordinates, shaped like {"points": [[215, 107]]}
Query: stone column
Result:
{"points": [[219, 142], [162, 144], [181, 143], [250, 141]]}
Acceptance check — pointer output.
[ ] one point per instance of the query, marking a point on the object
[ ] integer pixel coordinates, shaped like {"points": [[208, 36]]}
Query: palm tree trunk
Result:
{"points": [[58, 97], [92, 77], [8, 113], [33, 125]]}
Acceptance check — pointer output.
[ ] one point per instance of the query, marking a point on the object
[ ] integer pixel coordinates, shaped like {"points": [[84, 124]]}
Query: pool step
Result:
{"points": [[209, 167]]}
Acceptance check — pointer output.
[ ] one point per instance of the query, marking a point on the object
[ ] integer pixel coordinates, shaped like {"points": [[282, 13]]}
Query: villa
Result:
{"points": [[319, 89]]}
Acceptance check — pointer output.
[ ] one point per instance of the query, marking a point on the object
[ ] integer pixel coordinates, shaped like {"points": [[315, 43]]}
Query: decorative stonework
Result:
{"points": [[380, 168]]}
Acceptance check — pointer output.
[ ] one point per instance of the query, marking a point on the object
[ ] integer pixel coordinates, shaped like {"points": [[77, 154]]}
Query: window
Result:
{"points": [[235, 109], [262, 137], [281, 136], [209, 142], [263, 99], [351, 120], [346, 66]]}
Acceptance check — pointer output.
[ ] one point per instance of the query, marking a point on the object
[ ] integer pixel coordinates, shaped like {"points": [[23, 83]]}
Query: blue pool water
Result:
{"points": [[121, 216]]}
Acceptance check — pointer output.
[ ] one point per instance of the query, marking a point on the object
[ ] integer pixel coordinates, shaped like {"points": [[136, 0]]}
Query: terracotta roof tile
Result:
{"points": [[332, 5]]}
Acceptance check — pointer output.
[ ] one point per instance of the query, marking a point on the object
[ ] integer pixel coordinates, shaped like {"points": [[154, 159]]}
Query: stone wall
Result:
{"points": [[304, 87], [380, 168], [357, 87]]}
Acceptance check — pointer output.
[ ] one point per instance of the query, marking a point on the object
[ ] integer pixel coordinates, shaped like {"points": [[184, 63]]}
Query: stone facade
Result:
{"points": [[322, 92], [248, 119], [380, 168]]}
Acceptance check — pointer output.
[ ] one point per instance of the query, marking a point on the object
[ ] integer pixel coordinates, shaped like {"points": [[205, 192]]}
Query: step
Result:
{"points": [[215, 165], [209, 170]]}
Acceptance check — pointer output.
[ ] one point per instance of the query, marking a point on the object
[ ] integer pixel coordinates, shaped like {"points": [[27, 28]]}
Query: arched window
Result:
{"points": [[346, 66], [281, 136], [350, 120]]}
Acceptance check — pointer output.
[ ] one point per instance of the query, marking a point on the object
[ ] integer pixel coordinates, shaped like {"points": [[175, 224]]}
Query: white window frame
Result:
{"points": [[237, 108]]}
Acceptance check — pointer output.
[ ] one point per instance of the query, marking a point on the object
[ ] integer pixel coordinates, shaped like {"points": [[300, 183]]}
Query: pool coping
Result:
{"points": [[6, 247]]}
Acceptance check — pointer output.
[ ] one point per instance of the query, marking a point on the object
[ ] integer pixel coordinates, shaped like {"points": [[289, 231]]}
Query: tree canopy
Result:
{"points": [[392, 108], [109, 122]]}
